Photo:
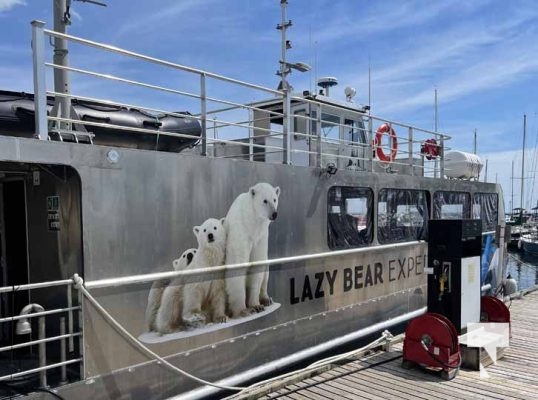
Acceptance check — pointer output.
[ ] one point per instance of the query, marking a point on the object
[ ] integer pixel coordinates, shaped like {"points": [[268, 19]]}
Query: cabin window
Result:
{"points": [[330, 128], [349, 217], [402, 215], [300, 124], [451, 205], [485, 207], [354, 131]]}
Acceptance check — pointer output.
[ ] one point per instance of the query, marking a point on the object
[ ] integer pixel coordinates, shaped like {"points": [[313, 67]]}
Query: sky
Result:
{"points": [[480, 55]]}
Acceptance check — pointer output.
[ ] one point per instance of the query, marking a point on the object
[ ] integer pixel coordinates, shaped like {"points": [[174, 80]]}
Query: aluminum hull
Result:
{"points": [[135, 215]]}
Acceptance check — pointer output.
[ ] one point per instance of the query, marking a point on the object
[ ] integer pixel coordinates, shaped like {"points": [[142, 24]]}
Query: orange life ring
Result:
{"points": [[383, 130], [430, 149]]}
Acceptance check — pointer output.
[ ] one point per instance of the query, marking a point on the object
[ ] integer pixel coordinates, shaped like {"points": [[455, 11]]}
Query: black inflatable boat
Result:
{"points": [[17, 119]]}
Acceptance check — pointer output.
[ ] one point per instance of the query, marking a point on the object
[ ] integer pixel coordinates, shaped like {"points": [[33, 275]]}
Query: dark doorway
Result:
{"points": [[14, 256]]}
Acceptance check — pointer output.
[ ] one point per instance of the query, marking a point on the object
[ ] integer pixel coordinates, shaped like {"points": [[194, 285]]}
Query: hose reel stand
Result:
{"points": [[431, 341]]}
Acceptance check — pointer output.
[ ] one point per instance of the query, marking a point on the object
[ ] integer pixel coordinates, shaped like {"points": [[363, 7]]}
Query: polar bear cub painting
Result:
{"points": [[247, 228], [192, 302], [158, 287]]}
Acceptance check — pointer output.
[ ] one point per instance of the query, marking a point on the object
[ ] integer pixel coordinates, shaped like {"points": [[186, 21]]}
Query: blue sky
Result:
{"points": [[481, 55]]}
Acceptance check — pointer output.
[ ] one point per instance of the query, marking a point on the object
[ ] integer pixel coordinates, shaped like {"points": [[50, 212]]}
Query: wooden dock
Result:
{"points": [[369, 377]]}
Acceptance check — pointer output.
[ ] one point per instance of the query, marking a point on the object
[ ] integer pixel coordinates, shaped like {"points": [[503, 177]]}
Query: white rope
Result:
{"points": [[518, 260], [79, 284], [385, 337]]}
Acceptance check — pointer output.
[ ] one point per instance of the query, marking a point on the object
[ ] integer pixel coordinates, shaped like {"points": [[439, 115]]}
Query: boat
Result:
{"points": [[528, 243], [91, 231]]}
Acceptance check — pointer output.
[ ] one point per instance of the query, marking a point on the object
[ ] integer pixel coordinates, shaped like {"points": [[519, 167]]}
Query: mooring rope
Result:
{"points": [[522, 262], [79, 284]]}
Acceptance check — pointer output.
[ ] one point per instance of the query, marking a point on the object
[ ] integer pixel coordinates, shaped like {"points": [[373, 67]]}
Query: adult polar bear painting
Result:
{"points": [[247, 228], [192, 304]]}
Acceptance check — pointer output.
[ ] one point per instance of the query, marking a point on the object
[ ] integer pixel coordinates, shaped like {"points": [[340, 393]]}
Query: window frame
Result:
{"points": [[391, 231], [339, 237]]}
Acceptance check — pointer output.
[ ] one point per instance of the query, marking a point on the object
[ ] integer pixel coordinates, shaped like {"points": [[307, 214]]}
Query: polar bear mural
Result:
{"points": [[158, 287], [192, 304], [247, 229]]}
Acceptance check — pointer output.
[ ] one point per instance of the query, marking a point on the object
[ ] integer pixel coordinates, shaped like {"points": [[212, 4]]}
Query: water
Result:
{"points": [[523, 268]]}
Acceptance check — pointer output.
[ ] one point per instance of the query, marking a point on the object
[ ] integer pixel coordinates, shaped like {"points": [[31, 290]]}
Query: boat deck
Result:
{"points": [[369, 377]]}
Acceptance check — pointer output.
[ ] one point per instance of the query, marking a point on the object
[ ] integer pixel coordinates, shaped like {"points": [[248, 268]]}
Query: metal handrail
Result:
{"points": [[32, 342], [157, 61], [409, 142], [145, 278], [40, 369], [40, 285], [369, 116], [39, 314], [142, 130], [150, 86], [156, 110]]}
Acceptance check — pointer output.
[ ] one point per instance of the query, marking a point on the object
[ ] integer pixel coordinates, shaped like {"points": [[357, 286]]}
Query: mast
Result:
{"points": [[62, 105], [523, 166], [369, 85], [512, 201]]}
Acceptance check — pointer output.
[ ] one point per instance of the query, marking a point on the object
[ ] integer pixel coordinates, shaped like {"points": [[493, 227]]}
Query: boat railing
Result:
{"points": [[237, 119], [59, 332]]}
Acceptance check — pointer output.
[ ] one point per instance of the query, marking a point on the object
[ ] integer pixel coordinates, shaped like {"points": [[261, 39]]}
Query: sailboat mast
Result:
{"points": [[512, 201], [523, 164]]}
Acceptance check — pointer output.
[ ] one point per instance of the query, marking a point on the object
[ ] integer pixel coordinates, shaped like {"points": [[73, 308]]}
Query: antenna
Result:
{"points": [[369, 83], [327, 82], [435, 112]]}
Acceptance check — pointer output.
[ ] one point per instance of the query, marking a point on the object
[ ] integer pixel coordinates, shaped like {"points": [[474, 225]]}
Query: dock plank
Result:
{"points": [[379, 376]]}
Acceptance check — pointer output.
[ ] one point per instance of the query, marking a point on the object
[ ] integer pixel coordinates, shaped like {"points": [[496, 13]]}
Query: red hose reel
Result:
{"points": [[494, 310], [431, 341]]}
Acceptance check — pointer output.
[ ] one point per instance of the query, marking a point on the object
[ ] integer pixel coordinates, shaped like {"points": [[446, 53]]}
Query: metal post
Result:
{"points": [[42, 352], [410, 150], [70, 318], [215, 137], [40, 90], [318, 136], [61, 76], [442, 156], [286, 126], [81, 337], [512, 198], [250, 136], [435, 129], [63, 353], [203, 113], [286, 102], [370, 143]]}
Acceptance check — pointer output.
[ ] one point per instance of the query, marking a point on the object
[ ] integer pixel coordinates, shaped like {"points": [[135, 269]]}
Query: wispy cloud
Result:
{"points": [[76, 15], [162, 16], [6, 5], [459, 61]]}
